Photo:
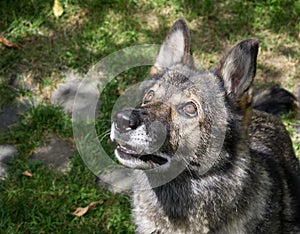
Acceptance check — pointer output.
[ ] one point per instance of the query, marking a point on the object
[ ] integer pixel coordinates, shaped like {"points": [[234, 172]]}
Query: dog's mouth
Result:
{"points": [[133, 157]]}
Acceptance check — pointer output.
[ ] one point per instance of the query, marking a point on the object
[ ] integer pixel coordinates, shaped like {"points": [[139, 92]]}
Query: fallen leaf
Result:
{"points": [[27, 173], [10, 44], [57, 8], [80, 211]]}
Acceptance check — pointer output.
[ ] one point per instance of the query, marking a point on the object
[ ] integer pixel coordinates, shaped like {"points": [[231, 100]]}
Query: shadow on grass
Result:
{"points": [[86, 32], [90, 30]]}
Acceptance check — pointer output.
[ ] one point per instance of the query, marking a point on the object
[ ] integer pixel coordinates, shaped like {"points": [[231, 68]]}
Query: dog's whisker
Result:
{"points": [[103, 135]]}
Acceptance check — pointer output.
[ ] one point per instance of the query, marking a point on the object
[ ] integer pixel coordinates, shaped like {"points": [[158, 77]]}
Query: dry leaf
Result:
{"points": [[27, 173], [57, 8], [8, 43], [80, 211]]}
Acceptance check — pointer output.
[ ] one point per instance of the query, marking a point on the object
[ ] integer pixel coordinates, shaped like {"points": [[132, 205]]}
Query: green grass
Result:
{"points": [[88, 31], [35, 125], [292, 124], [45, 202]]}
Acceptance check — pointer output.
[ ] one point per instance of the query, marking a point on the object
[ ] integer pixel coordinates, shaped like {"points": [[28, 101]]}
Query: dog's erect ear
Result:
{"points": [[237, 68], [176, 47]]}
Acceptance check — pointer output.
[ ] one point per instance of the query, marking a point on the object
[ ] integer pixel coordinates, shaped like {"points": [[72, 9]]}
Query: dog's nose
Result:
{"points": [[128, 119]]}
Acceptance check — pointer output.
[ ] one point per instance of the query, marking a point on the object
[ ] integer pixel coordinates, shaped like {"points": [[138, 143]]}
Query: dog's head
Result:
{"points": [[184, 110]]}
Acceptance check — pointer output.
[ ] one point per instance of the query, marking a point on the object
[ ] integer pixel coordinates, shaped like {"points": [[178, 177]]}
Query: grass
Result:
{"points": [[35, 125], [85, 33], [45, 202]]}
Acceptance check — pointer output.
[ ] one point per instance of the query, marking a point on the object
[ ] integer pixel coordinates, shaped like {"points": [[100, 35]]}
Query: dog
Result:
{"points": [[206, 161]]}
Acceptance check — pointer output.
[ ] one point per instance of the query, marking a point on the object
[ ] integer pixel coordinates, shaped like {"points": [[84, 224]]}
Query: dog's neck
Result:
{"points": [[177, 197]]}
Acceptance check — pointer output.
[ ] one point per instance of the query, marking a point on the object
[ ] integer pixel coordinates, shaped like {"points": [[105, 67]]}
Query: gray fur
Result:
{"points": [[249, 186]]}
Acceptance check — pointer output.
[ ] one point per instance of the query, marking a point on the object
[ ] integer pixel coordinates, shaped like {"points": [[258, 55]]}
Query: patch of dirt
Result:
{"points": [[278, 69], [7, 153], [9, 114], [56, 153]]}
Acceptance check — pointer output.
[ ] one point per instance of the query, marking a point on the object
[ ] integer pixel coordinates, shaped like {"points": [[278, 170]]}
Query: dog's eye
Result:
{"points": [[190, 109], [149, 96]]}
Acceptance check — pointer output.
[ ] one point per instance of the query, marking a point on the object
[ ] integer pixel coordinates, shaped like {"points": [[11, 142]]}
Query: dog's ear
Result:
{"points": [[176, 48], [237, 68]]}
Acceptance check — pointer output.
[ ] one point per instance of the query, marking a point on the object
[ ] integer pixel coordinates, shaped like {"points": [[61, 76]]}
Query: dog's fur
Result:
{"points": [[248, 186]]}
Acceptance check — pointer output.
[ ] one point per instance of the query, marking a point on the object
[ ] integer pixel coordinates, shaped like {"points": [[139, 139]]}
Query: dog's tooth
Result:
{"points": [[139, 150], [123, 147], [127, 150]]}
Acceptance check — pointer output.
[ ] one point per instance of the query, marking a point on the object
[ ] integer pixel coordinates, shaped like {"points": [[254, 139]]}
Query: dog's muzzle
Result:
{"points": [[137, 144]]}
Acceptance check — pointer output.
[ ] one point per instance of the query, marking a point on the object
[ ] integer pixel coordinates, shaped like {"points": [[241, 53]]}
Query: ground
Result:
{"points": [[41, 52]]}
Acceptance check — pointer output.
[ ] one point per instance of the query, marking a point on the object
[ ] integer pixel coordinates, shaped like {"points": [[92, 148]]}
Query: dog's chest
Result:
{"points": [[150, 217]]}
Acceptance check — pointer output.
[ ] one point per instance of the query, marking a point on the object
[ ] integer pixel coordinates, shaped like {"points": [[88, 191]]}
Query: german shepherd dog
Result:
{"points": [[238, 172]]}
